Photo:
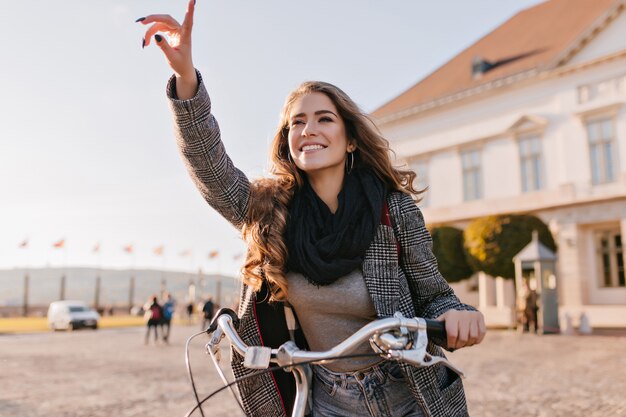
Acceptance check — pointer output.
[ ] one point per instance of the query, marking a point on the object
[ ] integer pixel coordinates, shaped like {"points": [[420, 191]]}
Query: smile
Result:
{"points": [[307, 148]]}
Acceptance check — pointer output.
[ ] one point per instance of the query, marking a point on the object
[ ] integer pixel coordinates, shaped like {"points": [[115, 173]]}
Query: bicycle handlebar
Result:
{"points": [[397, 338], [213, 326], [436, 328], [397, 346]]}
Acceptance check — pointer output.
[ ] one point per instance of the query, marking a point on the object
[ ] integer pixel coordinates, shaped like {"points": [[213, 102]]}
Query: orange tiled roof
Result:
{"points": [[532, 38]]}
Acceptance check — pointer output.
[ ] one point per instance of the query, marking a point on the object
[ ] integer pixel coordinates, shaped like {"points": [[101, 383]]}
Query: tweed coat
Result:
{"points": [[408, 281]]}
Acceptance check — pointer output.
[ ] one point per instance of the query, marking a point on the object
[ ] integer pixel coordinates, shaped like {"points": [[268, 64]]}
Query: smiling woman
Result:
{"points": [[335, 222]]}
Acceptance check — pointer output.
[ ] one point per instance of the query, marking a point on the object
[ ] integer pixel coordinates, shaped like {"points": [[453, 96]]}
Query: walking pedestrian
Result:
{"points": [[207, 313], [334, 232], [189, 311], [169, 307], [154, 314]]}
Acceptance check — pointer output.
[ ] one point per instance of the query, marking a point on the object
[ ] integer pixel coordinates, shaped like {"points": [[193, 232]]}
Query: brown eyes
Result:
{"points": [[301, 122]]}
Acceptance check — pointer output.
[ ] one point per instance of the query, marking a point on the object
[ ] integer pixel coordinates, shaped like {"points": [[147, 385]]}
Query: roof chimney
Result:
{"points": [[480, 66]]}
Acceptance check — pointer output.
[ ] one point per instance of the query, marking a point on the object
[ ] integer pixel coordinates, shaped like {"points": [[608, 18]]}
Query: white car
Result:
{"points": [[71, 314]]}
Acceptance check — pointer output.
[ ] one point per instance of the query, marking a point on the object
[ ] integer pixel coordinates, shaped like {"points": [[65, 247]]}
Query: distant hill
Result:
{"points": [[114, 288]]}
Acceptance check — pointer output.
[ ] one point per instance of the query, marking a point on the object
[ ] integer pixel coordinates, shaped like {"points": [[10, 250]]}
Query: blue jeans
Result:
{"points": [[378, 391]]}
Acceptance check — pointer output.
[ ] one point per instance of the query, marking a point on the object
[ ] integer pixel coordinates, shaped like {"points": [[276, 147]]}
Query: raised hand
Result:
{"points": [[176, 47]]}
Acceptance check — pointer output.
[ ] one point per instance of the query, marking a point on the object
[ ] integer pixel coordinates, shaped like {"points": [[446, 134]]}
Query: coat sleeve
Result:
{"points": [[222, 185], [430, 292]]}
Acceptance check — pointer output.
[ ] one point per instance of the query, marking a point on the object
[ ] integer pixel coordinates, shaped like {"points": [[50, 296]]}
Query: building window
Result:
{"points": [[610, 252], [530, 162], [602, 150], [472, 183], [421, 181]]}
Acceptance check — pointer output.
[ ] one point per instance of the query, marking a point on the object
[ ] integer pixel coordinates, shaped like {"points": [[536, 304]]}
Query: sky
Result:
{"points": [[87, 152]]}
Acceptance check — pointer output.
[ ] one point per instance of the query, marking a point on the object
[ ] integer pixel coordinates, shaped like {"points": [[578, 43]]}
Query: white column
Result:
{"points": [[574, 274], [486, 290], [505, 293]]}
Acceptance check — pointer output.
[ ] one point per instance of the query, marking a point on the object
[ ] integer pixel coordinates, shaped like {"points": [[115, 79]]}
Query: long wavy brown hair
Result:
{"points": [[269, 199]]}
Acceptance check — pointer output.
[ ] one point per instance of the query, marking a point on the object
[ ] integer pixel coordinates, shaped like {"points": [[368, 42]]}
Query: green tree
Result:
{"points": [[491, 242], [448, 249]]}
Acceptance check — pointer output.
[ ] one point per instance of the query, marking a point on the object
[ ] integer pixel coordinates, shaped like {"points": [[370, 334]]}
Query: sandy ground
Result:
{"points": [[111, 372]]}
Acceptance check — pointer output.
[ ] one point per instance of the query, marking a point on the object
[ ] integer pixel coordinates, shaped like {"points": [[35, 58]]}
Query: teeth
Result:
{"points": [[311, 147]]}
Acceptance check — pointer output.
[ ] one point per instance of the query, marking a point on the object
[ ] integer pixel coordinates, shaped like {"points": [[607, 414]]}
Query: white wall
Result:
{"points": [[443, 134], [569, 202]]}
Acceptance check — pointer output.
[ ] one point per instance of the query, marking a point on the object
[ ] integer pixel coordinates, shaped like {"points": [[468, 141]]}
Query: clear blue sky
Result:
{"points": [[87, 151]]}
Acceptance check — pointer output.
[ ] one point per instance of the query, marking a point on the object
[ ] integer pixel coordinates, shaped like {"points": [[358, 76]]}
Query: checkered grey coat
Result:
{"points": [[409, 283]]}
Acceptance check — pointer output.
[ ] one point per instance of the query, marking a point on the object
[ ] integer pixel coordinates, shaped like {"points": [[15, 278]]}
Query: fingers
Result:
{"points": [[164, 45], [188, 21], [464, 328], [473, 333], [460, 336], [165, 23], [452, 330], [482, 328], [154, 29], [164, 19]]}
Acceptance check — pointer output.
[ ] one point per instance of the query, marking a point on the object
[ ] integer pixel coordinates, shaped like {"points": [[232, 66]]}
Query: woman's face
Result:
{"points": [[317, 136]]}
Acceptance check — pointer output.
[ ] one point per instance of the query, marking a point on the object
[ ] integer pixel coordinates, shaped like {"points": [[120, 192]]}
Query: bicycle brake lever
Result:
{"points": [[213, 345], [418, 355], [432, 360], [423, 359]]}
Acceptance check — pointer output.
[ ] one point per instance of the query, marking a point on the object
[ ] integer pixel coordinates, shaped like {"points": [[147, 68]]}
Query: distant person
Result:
{"points": [[189, 310], [168, 312], [154, 313], [207, 313], [531, 307]]}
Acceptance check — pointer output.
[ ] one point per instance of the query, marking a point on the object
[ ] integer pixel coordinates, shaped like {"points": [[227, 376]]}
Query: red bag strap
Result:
{"points": [[386, 220]]}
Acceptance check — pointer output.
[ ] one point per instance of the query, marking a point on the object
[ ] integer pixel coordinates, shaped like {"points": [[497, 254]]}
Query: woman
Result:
{"points": [[154, 316], [334, 233]]}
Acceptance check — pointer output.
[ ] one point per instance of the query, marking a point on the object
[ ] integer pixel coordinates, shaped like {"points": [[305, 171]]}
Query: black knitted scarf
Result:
{"points": [[324, 246]]}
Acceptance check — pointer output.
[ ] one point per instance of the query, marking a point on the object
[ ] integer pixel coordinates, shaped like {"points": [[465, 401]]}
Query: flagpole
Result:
{"points": [[61, 245], [25, 302], [131, 284], [96, 300], [64, 272], [163, 282], [24, 245]]}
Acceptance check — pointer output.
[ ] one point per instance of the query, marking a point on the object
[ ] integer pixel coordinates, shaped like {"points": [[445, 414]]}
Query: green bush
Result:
{"points": [[491, 242], [448, 249]]}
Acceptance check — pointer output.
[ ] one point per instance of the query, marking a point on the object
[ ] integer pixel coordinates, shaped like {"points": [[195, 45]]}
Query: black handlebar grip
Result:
{"points": [[436, 329], [213, 326]]}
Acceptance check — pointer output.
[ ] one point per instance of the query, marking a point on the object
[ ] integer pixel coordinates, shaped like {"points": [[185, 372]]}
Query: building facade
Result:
{"points": [[531, 119]]}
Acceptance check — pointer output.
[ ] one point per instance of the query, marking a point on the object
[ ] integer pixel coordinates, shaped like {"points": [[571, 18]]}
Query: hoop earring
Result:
{"points": [[349, 169]]}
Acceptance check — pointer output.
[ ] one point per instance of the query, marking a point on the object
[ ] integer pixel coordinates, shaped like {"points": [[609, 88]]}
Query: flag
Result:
{"points": [[185, 253], [128, 248], [23, 244], [158, 251], [213, 254], [96, 248], [59, 245]]}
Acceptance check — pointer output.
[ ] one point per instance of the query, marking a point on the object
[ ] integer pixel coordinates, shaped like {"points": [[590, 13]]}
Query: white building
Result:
{"points": [[531, 119]]}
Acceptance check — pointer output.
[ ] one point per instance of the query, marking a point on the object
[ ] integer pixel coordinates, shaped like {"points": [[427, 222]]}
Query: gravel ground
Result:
{"points": [[112, 373]]}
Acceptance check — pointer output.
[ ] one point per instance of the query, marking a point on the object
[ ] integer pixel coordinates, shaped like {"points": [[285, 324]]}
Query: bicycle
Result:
{"points": [[395, 338]]}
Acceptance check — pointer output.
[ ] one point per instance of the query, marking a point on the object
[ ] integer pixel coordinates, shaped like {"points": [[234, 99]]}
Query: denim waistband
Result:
{"points": [[375, 372]]}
